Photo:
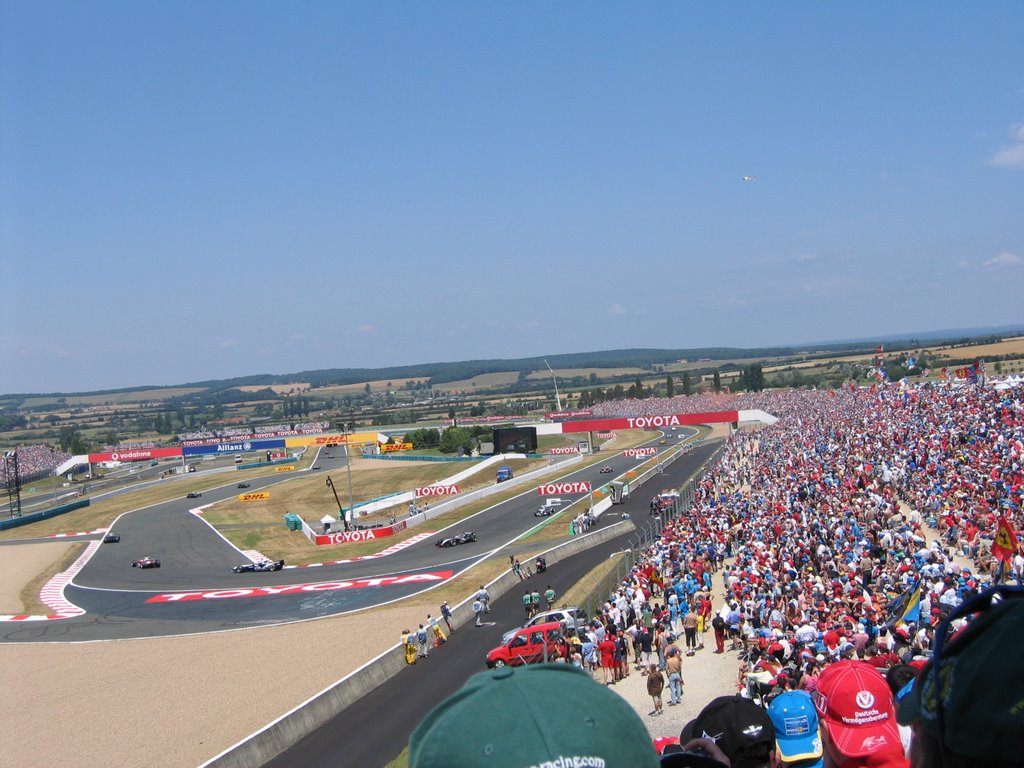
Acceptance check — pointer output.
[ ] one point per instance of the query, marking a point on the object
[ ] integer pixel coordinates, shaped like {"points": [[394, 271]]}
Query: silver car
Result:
{"points": [[571, 618]]}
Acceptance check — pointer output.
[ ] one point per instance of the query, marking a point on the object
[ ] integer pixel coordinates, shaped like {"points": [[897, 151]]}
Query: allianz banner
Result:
{"points": [[242, 447]]}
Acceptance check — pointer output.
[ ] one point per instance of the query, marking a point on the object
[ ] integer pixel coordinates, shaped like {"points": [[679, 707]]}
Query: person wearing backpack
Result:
{"points": [[718, 624]]}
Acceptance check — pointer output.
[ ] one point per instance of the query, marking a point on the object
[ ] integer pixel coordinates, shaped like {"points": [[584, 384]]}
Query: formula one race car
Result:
{"points": [[545, 511], [112, 538], [606, 470], [193, 495], [453, 541], [243, 485], [146, 562], [260, 567]]}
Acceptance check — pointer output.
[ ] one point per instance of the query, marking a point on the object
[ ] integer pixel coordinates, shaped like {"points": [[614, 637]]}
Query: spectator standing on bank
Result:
{"points": [[674, 668], [421, 640], [446, 614], [409, 645], [484, 597], [690, 629]]}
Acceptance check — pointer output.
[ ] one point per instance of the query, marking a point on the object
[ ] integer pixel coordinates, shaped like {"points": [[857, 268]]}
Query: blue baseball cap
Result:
{"points": [[796, 727]]}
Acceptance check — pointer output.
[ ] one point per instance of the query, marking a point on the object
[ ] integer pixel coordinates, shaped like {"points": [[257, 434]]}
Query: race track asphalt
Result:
{"points": [[194, 591]]}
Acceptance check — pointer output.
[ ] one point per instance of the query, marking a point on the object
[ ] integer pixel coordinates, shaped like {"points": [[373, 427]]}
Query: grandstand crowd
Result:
{"points": [[207, 435], [845, 532], [34, 461]]}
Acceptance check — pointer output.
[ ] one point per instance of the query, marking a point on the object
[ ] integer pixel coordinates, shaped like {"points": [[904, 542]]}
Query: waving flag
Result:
{"points": [[911, 363], [905, 608], [1005, 545]]}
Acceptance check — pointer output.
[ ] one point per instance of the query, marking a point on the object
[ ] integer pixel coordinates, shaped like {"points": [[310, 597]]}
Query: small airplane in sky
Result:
{"points": [[750, 178]]}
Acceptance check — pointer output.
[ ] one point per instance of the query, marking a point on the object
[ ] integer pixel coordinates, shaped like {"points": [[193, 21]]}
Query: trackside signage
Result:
{"points": [[394, 447], [304, 589], [366, 534], [258, 496], [651, 422], [244, 446], [565, 449], [287, 468], [135, 454], [437, 490], [640, 452], [554, 489]]}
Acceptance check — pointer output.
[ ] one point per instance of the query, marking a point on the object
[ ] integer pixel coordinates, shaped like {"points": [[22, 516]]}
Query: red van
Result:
{"points": [[528, 646]]}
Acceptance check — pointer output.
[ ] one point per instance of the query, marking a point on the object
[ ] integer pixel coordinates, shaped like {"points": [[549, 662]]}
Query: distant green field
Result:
{"points": [[601, 373], [144, 395], [483, 381]]}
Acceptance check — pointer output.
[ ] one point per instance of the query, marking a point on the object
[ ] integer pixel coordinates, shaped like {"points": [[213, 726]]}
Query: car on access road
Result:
{"points": [[146, 562], [570, 618], [453, 541], [528, 646]]}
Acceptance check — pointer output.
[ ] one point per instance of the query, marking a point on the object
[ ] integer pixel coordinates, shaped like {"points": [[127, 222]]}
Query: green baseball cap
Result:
{"points": [[971, 698], [541, 714]]}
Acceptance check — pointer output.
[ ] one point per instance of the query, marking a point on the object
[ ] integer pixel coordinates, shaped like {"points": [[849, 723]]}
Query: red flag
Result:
{"points": [[1005, 545]]}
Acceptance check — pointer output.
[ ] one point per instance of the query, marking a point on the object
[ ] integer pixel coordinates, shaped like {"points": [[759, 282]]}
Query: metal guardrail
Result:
{"points": [[647, 532]]}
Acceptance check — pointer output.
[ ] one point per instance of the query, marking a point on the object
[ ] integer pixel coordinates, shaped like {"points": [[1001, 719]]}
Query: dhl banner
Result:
{"points": [[392, 447], [258, 496], [286, 468], [356, 438]]}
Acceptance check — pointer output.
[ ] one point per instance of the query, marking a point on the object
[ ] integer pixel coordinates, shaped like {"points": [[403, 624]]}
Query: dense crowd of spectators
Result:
{"points": [[846, 530], [34, 461], [207, 435]]}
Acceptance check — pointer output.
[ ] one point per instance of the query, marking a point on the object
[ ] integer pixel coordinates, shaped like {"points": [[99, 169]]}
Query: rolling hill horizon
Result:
{"points": [[442, 372]]}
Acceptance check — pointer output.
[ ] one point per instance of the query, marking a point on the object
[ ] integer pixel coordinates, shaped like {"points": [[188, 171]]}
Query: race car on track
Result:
{"points": [[112, 538], [606, 470], [243, 485], [453, 541], [545, 511], [146, 562], [193, 495], [260, 567]]}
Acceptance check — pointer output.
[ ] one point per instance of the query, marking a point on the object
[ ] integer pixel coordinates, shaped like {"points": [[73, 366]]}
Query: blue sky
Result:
{"points": [[197, 190]]}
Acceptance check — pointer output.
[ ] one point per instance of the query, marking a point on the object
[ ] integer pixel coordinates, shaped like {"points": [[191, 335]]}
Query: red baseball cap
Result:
{"points": [[856, 706]]}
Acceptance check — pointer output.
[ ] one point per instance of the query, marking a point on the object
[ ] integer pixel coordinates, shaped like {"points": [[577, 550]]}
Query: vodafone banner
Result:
{"points": [[135, 454], [565, 449], [640, 452], [303, 589], [651, 422], [556, 489], [437, 490], [568, 414], [348, 537]]}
